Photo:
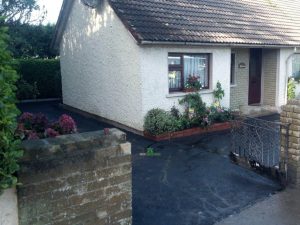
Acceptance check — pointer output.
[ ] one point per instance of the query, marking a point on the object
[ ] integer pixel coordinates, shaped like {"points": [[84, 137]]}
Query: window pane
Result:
{"points": [[232, 72], [296, 66], [174, 60], [175, 80], [196, 65]]}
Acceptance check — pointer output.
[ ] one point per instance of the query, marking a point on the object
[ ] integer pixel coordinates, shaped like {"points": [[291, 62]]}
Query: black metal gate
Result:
{"points": [[259, 142]]}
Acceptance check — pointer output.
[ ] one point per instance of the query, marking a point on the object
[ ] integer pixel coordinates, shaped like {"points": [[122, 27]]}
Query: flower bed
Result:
{"points": [[195, 118], [188, 132], [37, 126]]}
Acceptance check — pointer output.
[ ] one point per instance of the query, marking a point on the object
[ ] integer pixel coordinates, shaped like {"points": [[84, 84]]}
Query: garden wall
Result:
{"points": [[76, 179]]}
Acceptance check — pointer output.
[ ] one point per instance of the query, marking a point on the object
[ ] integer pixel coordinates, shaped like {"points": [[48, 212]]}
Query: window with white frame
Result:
{"points": [[183, 65]]}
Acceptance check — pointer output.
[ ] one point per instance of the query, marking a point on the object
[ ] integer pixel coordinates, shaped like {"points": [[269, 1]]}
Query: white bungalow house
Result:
{"points": [[121, 58]]}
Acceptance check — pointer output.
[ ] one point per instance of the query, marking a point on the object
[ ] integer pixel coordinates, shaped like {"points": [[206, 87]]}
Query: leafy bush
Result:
{"points": [[26, 90], [158, 121], [219, 93], [37, 126], [291, 89], [10, 150], [195, 110], [219, 114], [40, 77]]}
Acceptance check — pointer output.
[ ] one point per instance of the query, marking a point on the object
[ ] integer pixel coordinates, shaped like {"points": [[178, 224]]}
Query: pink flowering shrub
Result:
{"points": [[67, 124], [37, 126], [51, 133]]}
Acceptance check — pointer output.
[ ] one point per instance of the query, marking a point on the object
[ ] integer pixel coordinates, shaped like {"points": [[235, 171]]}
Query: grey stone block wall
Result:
{"points": [[239, 92], [82, 179], [291, 115], [269, 76]]}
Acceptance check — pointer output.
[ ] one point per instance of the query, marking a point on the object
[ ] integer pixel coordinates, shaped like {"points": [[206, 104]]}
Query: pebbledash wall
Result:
{"points": [[100, 64], [76, 179], [106, 73], [154, 72]]}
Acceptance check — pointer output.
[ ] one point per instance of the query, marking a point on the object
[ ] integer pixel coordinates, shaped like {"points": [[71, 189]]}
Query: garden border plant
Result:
{"points": [[196, 118], [10, 151]]}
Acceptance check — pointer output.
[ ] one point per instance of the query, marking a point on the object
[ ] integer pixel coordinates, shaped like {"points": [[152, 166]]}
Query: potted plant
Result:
{"points": [[193, 84]]}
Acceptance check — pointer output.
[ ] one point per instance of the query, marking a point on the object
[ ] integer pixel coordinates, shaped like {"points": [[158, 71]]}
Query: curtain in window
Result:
{"points": [[196, 66], [296, 66]]}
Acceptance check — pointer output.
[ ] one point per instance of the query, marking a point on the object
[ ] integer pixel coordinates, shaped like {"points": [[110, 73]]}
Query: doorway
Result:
{"points": [[255, 71]]}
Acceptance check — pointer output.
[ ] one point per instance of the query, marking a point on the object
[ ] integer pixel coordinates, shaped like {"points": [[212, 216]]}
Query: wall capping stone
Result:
{"points": [[76, 179], [62, 145]]}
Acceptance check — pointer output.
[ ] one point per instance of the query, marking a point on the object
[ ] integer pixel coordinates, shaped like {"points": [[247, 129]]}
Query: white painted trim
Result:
{"points": [[182, 94]]}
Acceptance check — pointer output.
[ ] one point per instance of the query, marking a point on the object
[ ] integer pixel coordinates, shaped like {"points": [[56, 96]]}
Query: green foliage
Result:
{"points": [[21, 11], [194, 101], [193, 83], [219, 115], [291, 89], [44, 73], [31, 41], [9, 146], [26, 90], [219, 93], [158, 121]]}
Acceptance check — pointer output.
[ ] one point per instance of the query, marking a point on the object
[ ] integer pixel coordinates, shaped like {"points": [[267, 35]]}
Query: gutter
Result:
{"points": [[216, 44]]}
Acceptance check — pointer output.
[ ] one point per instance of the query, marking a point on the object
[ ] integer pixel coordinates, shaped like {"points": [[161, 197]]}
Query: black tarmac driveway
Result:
{"points": [[191, 182]]}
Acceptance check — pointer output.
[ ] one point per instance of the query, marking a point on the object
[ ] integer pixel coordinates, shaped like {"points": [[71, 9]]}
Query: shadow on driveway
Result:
{"points": [[192, 182]]}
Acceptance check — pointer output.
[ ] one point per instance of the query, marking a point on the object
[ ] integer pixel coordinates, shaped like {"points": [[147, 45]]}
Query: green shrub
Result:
{"points": [[44, 73], [219, 93], [9, 146], [219, 114], [195, 111], [158, 121], [291, 89], [26, 90]]}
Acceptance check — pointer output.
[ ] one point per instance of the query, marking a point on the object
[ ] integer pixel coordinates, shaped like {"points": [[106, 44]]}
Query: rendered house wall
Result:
{"points": [[100, 64], [154, 67]]}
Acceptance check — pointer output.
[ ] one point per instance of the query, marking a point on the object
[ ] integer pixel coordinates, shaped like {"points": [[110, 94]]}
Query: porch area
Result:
{"points": [[257, 83]]}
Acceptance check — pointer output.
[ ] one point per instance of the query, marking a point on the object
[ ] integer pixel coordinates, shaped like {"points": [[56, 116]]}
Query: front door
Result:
{"points": [[255, 76]]}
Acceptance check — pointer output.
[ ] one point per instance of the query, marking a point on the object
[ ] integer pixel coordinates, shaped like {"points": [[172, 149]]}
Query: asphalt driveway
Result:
{"points": [[191, 182]]}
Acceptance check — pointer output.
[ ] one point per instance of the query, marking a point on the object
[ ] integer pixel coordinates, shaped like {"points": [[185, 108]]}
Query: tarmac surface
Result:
{"points": [[190, 181]]}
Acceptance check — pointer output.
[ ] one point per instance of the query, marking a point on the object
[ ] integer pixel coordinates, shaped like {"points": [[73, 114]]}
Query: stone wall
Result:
{"points": [[76, 179], [269, 76], [239, 91], [291, 115]]}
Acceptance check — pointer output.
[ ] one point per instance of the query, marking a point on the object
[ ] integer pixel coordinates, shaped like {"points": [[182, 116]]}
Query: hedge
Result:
{"points": [[40, 78]]}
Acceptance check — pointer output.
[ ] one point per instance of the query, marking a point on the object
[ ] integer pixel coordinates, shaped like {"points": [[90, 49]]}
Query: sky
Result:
{"points": [[53, 9]]}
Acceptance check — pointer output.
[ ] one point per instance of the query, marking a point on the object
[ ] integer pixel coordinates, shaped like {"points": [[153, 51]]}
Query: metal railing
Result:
{"points": [[260, 142]]}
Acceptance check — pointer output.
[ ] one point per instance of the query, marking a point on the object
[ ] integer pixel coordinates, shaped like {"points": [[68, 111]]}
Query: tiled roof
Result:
{"points": [[244, 22]]}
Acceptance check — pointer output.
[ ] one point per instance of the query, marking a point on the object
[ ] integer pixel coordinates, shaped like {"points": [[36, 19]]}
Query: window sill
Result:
{"points": [[233, 85], [181, 94]]}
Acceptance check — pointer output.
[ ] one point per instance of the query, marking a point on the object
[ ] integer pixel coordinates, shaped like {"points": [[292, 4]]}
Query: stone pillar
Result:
{"points": [[291, 115]]}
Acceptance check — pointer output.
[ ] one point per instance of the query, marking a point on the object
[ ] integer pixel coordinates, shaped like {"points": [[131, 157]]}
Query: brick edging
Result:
{"points": [[189, 132]]}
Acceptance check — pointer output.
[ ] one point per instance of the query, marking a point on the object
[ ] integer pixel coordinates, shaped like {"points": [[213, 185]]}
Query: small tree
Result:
{"points": [[219, 93], [10, 150]]}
